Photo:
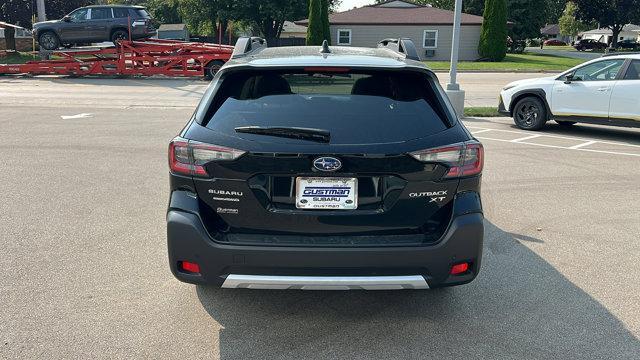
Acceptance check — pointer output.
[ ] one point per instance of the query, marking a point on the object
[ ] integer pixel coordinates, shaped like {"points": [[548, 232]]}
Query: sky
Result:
{"points": [[350, 4]]}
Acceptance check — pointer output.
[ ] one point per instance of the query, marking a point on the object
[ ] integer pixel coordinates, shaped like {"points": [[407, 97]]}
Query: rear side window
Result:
{"points": [[142, 13], [119, 12], [100, 13], [633, 72], [355, 107]]}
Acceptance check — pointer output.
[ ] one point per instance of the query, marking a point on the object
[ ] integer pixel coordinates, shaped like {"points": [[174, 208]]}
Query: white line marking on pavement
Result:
{"points": [[77, 116], [557, 136], [480, 131], [563, 147], [583, 145], [525, 138]]}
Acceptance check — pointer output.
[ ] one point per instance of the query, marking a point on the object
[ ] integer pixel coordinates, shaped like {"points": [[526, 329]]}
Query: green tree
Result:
{"points": [[493, 35], [326, 29], [314, 30], [440, 4], [554, 9], [475, 7], [266, 17], [165, 11], [569, 24], [527, 17], [612, 14]]}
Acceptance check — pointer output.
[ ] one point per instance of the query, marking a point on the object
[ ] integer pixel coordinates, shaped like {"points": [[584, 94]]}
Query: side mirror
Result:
{"points": [[568, 79], [66, 18]]}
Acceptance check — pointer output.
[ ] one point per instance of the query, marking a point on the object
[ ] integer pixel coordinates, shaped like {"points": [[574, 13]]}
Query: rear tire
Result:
{"points": [[119, 35], [565, 124], [530, 113], [48, 40], [212, 68]]}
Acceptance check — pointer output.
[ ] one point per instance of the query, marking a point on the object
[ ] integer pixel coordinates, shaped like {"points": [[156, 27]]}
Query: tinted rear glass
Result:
{"points": [[100, 13], [143, 13], [356, 108], [120, 12]]}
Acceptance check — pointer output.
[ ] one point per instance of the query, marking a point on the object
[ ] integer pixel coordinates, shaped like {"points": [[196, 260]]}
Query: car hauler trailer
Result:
{"points": [[130, 58]]}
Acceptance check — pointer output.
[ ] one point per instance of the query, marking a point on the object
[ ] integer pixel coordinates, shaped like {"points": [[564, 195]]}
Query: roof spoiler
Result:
{"points": [[245, 45], [402, 46]]}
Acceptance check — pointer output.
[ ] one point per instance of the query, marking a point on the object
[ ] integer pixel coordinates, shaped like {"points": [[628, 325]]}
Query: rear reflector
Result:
{"points": [[188, 157], [459, 269], [189, 267], [464, 159]]}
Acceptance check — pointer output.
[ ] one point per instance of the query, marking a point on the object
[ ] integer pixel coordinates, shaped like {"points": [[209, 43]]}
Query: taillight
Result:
{"points": [[464, 159], [188, 157]]}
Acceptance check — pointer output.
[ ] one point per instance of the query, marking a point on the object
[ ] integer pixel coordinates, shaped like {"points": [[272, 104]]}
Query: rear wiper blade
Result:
{"points": [[317, 135]]}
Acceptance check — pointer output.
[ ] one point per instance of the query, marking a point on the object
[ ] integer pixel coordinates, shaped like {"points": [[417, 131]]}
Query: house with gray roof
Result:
{"points": [[430, 28], [629, 32]]}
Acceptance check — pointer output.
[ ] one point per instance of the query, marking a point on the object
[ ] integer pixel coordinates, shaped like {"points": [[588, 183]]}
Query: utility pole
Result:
{"points": [[456, 95], [42, 14]]}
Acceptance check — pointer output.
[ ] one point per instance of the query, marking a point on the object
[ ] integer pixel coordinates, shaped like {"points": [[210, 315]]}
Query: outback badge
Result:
{"points": [[327, 163]]}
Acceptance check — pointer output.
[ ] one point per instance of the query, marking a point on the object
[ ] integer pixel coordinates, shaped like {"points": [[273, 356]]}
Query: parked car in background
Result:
{"points": [[589, 44], [602, 91], [553, 42], [94, 24], [628, 44]]}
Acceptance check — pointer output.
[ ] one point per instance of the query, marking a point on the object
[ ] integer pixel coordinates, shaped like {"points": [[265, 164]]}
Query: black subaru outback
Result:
{"points": [[325, 168]]}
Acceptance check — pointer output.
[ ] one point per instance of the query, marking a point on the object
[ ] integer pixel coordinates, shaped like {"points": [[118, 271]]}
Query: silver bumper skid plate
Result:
{"points": [[235, 281]]}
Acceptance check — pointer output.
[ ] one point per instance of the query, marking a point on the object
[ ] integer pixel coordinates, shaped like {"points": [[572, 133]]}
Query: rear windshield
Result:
{"points": [[354, 107]]}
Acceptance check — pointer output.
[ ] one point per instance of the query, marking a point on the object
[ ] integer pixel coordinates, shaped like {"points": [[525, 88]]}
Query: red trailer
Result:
{"points": [[141, 58]]}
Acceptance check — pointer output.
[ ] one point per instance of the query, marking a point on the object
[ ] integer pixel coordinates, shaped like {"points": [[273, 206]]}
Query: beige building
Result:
{"points": [[430, 28]]}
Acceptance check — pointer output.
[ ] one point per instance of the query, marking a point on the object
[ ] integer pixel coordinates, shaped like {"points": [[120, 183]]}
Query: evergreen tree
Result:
{"points": [[315, 31], [493, 36], [326, 30]]}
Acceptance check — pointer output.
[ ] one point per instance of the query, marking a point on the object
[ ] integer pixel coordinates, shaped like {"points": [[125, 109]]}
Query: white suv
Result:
{"points": [[602, 91]]}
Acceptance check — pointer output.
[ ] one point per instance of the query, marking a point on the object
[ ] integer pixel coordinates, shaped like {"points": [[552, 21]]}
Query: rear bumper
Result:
{"points": [[322, 267]]}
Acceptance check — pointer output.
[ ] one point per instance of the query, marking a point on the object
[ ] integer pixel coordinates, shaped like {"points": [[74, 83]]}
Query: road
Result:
{"points": [[585, 55], [85, 273], [482, 89]]}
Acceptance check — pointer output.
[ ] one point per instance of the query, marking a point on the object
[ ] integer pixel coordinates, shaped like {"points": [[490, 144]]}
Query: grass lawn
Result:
{"points": [[514, 62], [17, 58], [481, 112], [563, 47]]}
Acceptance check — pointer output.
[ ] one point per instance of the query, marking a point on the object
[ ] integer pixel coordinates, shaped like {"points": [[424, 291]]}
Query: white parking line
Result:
{"points": [[553, 136], [582, 146], [562, 147], [480, 131], [525, 138]]}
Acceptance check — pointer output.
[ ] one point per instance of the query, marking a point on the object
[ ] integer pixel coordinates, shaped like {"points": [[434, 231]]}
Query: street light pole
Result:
{"points": [[453, 88], [41, 11]]}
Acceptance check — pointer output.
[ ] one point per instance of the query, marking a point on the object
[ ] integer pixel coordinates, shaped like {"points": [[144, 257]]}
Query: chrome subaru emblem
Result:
{"points": [[327, 163]]}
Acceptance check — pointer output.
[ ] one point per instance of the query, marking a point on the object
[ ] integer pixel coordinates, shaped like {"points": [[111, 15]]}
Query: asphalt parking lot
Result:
{"points": [[83, 177]]}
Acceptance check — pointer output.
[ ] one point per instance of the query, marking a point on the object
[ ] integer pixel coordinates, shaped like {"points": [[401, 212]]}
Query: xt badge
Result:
{"points": [[434, 196]]}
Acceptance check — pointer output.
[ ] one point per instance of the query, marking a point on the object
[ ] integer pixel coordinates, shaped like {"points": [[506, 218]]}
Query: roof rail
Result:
{"points": [[245, 45], [615, 53], [402, 45]]}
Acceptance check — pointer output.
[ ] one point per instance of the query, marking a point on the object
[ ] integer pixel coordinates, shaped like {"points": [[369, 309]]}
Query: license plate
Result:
{"points": [[326, 193]]}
